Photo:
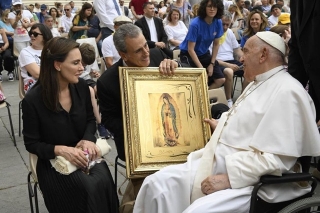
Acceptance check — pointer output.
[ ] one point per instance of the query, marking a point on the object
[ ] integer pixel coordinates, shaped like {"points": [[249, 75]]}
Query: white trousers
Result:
{"points": [[169, 190]]}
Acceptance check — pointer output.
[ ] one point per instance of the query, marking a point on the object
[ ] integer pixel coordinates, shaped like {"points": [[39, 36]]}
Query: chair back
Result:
{"points": [[21, 86], [218, 95], [33, 159], [102, 66], [16, 52], [176, 54]]}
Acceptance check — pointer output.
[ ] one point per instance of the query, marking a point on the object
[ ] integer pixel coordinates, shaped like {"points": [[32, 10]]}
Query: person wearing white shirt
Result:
{"points": [[176, 30], [107, 11], [246, 144], [66, 20], [109, 51], [229, 66], [48, 21], [276, 12], [20, 20], [125, 11]]}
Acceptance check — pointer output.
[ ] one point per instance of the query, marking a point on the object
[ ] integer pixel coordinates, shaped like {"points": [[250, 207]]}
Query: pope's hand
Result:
{"points": [[215, 183]]}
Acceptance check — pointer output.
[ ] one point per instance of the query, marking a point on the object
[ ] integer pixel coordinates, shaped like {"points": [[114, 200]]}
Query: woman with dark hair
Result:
{"points": [[56, 18], [29, 58], [203, 30], [59, 121], [257, 23], [176, 30], [81, 22]]}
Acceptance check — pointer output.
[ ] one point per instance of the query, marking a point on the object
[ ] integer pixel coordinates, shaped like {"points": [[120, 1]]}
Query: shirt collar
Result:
{"points": [[264, 76]]}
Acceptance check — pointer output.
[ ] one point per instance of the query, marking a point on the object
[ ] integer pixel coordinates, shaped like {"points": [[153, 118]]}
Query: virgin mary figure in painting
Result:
{"points": [[168, 115]]}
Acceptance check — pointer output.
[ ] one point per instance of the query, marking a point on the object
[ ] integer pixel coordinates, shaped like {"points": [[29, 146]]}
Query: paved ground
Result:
{"points": [[14, 161]]}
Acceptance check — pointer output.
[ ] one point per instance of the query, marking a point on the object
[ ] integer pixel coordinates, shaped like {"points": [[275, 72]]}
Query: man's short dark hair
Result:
{"points": [[147, 3]]}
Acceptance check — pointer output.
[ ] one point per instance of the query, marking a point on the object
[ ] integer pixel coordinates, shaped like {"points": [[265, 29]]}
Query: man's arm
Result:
{"points": [[151, 44]]}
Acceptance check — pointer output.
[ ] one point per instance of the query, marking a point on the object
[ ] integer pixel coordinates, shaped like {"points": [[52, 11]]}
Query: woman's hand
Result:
{"points": [[90, 148], [73, 155], [210, 69], [215, 183]]}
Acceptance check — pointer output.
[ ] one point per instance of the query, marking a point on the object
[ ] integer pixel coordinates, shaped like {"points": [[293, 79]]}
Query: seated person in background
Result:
{"points": [[20, 21], [48, 21], [6, 56], [275, 13], [6, 26], [203, 30], [176, 30], [227, 63], [109, 51], [80, 22], [30, 57], [257, 23], [237, 21], [56, 19], [95, 31], [152, 29], [66, 19], [58, 120], [90, 65], [243, 147], [134, 51]]}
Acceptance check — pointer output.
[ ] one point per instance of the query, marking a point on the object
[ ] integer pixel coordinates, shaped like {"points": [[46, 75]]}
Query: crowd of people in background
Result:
{"points": [[209, 34]]}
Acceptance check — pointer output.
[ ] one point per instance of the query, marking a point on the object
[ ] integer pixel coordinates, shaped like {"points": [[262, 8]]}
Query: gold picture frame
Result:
{"points": [[162, 117]]}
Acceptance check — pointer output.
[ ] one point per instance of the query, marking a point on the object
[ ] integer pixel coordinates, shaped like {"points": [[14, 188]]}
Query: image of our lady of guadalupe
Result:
{"points": [[168, 115]]}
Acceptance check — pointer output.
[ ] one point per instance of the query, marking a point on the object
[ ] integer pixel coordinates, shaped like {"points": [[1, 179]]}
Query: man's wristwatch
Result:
{"points": [[212, 63]]}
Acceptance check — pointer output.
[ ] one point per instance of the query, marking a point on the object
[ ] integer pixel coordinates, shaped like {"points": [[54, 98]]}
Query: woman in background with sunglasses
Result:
{"points": [[29, 58]]}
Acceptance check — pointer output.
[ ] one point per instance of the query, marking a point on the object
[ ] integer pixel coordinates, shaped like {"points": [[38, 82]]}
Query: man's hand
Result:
{"points": [[210, 70], [160, 45], [234, 67], [215, 183], [167, 67]]}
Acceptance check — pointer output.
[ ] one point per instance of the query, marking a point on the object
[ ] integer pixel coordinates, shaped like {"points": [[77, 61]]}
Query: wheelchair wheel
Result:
{"points": [[310, 204]]}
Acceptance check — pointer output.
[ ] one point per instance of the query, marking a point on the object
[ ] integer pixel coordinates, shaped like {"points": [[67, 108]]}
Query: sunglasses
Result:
{"points": [[66, 9], [35, 34]]}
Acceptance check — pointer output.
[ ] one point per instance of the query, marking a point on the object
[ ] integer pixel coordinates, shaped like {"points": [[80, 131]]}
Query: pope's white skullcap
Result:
{"points": [[273, 39]]}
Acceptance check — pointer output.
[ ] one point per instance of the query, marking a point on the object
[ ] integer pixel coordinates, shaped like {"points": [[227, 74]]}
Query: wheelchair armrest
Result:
{"points": [[285, 178]]}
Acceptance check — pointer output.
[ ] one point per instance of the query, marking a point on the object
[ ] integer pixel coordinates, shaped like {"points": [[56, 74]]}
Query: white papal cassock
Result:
{"points": [[271, 124]]}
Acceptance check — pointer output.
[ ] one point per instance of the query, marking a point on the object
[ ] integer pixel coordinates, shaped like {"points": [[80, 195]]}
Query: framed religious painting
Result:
{"points": [[163, 117]]}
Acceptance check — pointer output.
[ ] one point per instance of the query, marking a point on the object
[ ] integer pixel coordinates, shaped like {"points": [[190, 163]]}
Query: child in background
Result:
{"points": [[90, 66]]}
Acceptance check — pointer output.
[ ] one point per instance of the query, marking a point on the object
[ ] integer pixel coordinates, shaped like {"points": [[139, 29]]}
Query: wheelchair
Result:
{"points": [[303, 204]]}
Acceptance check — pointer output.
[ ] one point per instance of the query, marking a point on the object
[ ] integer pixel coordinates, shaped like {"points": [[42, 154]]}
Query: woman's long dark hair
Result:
{"points": [[57, 49], [83, 10], [203, 5]]}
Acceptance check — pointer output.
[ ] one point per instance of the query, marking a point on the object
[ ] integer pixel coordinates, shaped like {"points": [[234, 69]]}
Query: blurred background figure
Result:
{"points": [[176, 30], [81, 22], [20, 20], [30, 57], [6, 59]]}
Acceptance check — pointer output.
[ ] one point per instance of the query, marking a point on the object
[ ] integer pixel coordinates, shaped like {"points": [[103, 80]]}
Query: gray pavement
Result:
{"points": [[14, 161]]}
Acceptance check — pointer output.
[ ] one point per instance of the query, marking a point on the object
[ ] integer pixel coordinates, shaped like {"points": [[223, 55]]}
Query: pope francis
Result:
{"points": [[270, 125]]}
